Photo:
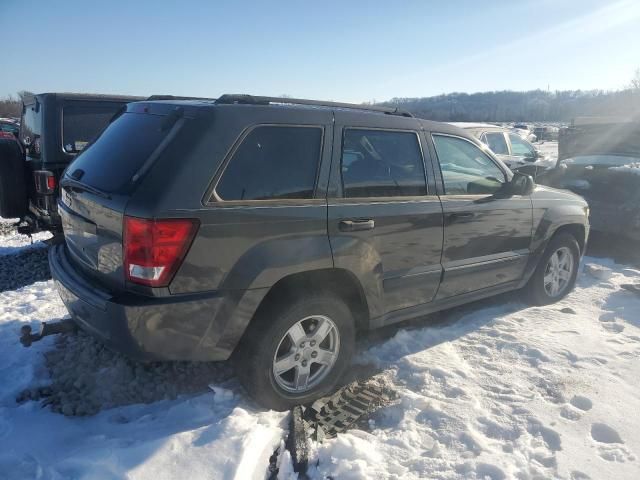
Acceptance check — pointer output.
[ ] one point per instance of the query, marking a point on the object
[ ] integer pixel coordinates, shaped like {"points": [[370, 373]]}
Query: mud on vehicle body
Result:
{"points": [[274, 232]]}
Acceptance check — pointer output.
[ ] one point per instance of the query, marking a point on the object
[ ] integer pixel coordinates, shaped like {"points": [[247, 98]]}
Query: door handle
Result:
{"points": [[356, 225], [453, 217]]}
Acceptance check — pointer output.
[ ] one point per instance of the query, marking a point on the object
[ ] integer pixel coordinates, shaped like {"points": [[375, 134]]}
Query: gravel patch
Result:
{"points": [[7, 228], [86, 377], [23, 268]]}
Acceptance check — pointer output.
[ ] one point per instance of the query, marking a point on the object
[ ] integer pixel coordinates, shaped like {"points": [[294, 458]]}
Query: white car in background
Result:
{"points": [[524, 131]]}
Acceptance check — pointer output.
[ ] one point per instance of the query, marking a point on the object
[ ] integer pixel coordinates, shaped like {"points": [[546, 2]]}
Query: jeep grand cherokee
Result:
{"points": [[276, 229]]}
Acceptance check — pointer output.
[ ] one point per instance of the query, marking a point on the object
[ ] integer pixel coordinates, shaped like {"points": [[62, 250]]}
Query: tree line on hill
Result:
{"points": [[10, 106], [504, 106], [530, 106]]}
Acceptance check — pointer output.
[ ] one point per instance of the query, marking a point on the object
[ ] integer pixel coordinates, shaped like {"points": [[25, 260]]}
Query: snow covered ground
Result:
{"points": [[13, 242], [495, 390], [503, 390], [549, 150]]}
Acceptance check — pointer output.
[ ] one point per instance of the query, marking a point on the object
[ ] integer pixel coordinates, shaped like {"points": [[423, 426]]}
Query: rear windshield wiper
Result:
{"points": [[69, 182]]}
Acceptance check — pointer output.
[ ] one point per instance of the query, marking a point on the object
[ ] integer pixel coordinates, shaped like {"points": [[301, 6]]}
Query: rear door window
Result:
{"points": [[496, 142], [273, 162], [81, 124], [380, 163], [110, 162]]}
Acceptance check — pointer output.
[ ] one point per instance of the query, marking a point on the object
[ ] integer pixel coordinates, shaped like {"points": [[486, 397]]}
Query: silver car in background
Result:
{"points": [[516, 152]]}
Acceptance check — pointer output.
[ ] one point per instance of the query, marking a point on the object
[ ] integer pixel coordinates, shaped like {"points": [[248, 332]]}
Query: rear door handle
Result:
{"points": [[453, 217], [356, 225]]}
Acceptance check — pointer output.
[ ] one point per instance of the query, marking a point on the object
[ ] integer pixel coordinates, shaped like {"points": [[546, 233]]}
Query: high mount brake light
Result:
{"points": [[155, 249]]}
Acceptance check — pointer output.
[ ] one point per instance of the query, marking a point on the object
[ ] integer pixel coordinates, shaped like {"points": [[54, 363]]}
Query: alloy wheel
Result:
{"points": [[558, 272], [306, 354]]}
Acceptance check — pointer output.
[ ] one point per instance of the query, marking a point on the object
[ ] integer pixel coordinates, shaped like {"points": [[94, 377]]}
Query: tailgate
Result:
{"points": [[93, 233]]}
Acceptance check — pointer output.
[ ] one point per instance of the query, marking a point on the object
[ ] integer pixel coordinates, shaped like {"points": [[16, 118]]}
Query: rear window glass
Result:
{"points": [[111, 161], [81, 124], [497, 143], [273, 162]]}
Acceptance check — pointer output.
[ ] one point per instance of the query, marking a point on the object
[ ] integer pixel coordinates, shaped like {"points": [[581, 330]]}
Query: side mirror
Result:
{"points": [[521, 184]]}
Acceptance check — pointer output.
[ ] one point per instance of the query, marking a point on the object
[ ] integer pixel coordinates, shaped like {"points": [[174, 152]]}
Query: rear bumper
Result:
{"points": [[204, 327]]}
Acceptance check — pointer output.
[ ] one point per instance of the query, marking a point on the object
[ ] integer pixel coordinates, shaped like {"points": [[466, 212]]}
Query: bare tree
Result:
{"points": [[10, 107], [635, 81]]}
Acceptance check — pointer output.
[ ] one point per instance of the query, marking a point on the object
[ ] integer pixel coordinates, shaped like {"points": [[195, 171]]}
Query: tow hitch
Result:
{"points": [[53, 328]]}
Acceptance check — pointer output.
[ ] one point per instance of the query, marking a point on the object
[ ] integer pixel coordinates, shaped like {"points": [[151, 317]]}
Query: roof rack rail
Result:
{"points": [[174, 97], [229, 99]]}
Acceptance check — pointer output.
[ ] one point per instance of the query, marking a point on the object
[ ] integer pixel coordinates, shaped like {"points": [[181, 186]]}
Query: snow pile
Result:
{"points": [[629, 168], [549, 149], [507, 391], [14, 242], [549, 152]]}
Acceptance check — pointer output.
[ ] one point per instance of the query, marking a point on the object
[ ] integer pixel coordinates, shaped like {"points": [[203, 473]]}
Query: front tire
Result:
{"points": [[296, 353], [556, 273]]}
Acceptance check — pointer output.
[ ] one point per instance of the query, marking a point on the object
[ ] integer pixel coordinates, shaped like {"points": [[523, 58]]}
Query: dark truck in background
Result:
{"points": [[54, 128], [599, 159]]}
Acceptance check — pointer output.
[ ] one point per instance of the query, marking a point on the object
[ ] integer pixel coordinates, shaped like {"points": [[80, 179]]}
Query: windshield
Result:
{"points": [[110, 162]]}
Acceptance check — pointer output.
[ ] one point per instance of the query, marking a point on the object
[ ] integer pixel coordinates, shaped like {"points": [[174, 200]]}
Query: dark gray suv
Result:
{"points": [[276, 229]]}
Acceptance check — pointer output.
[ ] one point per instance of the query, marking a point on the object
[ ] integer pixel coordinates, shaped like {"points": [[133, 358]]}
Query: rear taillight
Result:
{"points": [[154, 249], [45, 181]]}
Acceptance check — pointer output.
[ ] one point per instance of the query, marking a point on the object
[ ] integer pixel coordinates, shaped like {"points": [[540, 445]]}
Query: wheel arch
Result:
{"points": [[576, 230], [337, 281], [545, 233]]}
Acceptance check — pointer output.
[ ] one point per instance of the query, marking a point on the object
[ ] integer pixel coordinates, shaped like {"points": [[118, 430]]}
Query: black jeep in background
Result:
{"points": [[276, 229], [54, 128], [599, 159]]}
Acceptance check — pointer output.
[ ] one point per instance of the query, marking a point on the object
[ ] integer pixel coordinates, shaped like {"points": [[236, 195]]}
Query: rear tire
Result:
{"points": [[13, 187], [556, 273], [309, 367]]}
